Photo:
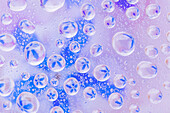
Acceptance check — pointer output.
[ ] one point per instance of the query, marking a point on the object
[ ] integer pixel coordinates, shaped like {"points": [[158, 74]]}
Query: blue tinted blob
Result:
{"points": [[123, 4]]}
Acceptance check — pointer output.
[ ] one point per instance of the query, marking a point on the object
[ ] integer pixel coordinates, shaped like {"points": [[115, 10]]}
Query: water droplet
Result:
{"points": [[97, 111], [2, 60], [51, 94], [40, 80], [89, 29], [34, 53], [123, 43], [167, 62], [168, 36], [68, 29], [165, 49], [7, 42], [166, 84], [120, 81], [135, 94], [153, 11], [6, 86], [89, 93], [74, 47], [6, 18], [17, 5], [134, 108], [108, 5], [13, 63], [82, 64], [54, 82], [52, 5], [27, 26], [87, 11], [59, 43], [56, 63], [132, 82], [151, 51], [109, 22], [25, 76], [56, 109], [147, 69], [132, 1], [155, 96], [168, 17], [71, 86], [115, 101], [153, 32], [101, 72], [7, 105], [96, 50], [132, 13]]}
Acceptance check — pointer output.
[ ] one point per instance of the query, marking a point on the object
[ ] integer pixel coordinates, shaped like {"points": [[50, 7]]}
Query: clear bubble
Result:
{"points": [[59, 43], [56, 109], [34, 53], [134, 108], [167, 62], [109, 22], [168, 36], [27, 102], [132, 82], [98, 111], [102, 72], [51, 94], [25, 76], [2, 60], [77, 111], [89, 29], [13, 63], [52, 5], [56, 63], [135, 94], [153, 11], [108, 5], [6, 86], [120, 81], [82, 64], [115, 101], [96, 50], [54, 82], [89, 93], [40, 80], [132, 1], [27, 26], [168, 17], [123, 43], [74, 47], [7, 42], [151, 51], [166, 85], [87, 11], [165, 49], [132, 13], [6, 18], [147, 69], [68, 29], [155, 96], [153, 32], [7, 105], [17, 5], [71, 86]]}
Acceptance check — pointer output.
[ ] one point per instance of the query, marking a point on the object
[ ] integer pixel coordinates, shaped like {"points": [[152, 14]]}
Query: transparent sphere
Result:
{"points": [[52, 5], [155, 96], [59, 43], [13, 63], [115, 101], [168, 36], [120, 81], [27, 102], [27, 26], [167, 62], [17, 5], [87, 11], [82, 64], [71, 86], [134, 108], [165, 49], [153, 11], [166, 85], [132, 82], [96, 50], [153, 32], [132, 1], [98, 111], [6, 86], [89, 93], [54, 82], [168, 17], [108, 5], [40, 80], [6, 18], [68, 29], [147, 69], [77, 111], [7, 105], [135, 94], [25, 76], [7, 42], [151, 51], [56, 63], [74, 47], [123, 43], [102, 72], [89, 29], [56, 109], [34, 53], [2, 60], [109, 22], [132, 13], [51, 94]]}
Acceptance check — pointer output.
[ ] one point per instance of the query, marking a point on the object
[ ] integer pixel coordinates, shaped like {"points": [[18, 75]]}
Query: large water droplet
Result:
{"points": [[87, 11], [153, 11], [155, 96], [108, 5], [17, 5], [27, 26], [132, 13], [6, 18]]}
